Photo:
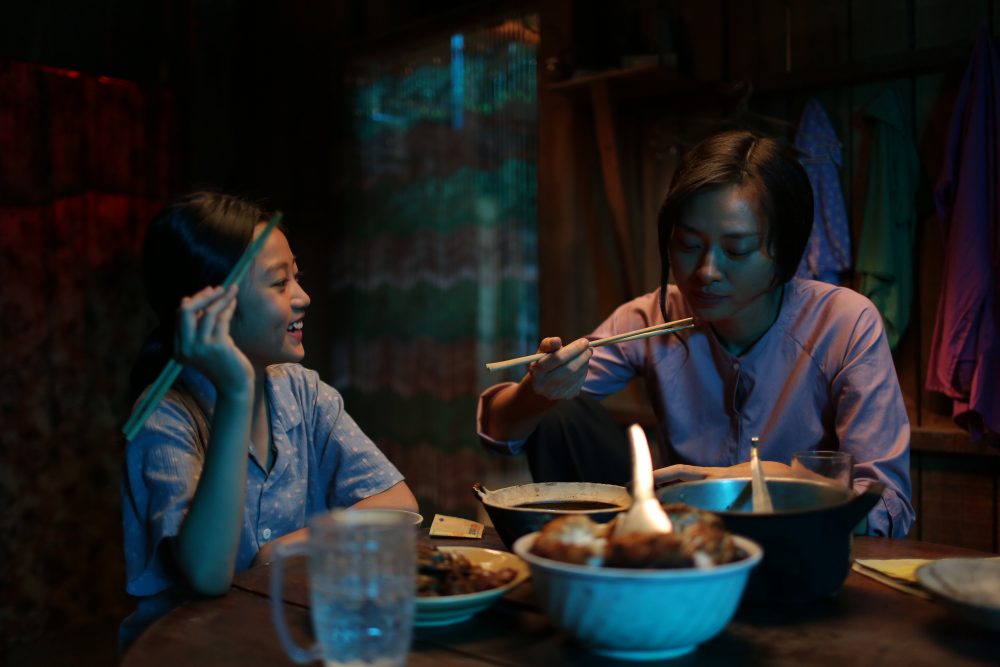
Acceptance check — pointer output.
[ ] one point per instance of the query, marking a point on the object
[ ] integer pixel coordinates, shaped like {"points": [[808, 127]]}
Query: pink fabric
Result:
{"points": [[965, 354], [822, 377]]}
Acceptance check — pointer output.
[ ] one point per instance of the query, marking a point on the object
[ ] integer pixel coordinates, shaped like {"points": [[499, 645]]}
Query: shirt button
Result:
{"points": [[266, 533], [736, 366]]}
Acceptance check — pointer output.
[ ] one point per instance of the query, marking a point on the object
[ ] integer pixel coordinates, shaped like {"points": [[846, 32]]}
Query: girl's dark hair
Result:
{"points": [[766, 167], [192, 243]]}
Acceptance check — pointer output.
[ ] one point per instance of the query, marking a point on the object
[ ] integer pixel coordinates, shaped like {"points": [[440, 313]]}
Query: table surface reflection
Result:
{"points": [[865, 623]]}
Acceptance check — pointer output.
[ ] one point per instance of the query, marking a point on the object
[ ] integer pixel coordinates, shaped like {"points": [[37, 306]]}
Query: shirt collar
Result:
{"points": [[284, 409]]}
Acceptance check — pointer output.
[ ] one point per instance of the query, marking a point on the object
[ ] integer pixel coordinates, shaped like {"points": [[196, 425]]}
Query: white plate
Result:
{"points": [[970, 586], [450, 609]]}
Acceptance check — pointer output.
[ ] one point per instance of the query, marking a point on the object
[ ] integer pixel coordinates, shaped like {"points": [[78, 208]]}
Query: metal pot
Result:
{"points": [[807, 540], [512, 520]]}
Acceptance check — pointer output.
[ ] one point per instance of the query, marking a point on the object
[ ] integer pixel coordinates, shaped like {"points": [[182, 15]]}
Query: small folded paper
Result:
{"points": [[453, 526]]}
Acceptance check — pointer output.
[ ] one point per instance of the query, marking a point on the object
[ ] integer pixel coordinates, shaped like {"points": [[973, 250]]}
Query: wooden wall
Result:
{"points": [[597, 213]]}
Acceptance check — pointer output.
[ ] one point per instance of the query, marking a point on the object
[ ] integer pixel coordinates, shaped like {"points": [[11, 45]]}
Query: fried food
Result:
{"points": [[572, 538], [440, 573], [699, 539]]}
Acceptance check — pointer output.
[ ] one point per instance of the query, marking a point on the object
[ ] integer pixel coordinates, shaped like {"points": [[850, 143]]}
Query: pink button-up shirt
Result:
{"points": [[965, 355], [821, 377]]}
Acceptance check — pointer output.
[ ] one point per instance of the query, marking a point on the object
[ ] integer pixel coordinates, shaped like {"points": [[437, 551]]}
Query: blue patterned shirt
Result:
{"points": [[323, 460]]}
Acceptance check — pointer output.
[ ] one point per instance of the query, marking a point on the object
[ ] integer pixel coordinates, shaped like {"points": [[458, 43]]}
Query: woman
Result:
{"points": [[800, 364], [248, 444]]}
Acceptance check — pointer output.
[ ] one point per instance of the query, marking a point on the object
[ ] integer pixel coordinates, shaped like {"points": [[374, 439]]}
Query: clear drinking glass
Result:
{"points": [[829, 466], [362, 582]]}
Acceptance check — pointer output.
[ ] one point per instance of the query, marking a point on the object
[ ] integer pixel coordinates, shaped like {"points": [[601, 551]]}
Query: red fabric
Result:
{"points": [[84, 163]]}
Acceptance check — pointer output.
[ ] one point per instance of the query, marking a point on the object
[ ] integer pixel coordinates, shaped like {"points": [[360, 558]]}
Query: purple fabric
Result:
{"points": [[965, 354], [828, 253], [822, 377]]}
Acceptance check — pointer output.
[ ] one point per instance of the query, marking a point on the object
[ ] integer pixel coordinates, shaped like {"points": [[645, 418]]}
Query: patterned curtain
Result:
{"points": [[85, 161], [435, 269]]}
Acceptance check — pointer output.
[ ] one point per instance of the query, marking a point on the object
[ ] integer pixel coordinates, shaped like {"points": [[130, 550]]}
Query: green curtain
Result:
{"points": [[435, 266]]}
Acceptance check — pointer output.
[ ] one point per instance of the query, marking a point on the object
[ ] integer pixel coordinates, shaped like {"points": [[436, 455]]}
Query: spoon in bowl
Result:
{"points": [[646, 514], [760, 498]]}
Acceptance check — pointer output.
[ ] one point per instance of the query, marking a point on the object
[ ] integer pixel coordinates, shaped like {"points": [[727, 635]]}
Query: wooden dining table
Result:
{"points": [[865, 623]]}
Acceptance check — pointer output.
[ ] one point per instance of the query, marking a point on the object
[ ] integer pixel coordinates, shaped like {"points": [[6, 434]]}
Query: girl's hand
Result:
{"points": [[202, 339], [682, 472], [266, 553], [560, 374]]}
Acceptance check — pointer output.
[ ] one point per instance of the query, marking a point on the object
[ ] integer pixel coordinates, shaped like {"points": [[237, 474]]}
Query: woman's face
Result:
{"points": [[271, 306], [719, 259]]}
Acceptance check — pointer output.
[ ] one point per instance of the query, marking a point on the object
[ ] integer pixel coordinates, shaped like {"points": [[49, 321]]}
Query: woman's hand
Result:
{"points": [[561, 373], [202, 339], [684, 473]]}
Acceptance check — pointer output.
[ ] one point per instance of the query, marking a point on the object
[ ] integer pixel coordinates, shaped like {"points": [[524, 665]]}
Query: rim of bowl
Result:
{"points": [[777, 513], [754, 554], [486, 500]]}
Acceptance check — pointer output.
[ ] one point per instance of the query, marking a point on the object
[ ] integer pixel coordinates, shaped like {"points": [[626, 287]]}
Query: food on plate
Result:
{"points": [[440, 573], [699, 539]]}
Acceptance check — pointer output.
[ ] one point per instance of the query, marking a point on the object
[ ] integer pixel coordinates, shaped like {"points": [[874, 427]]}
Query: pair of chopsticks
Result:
{"points": [[655, 330], [173, 368]]}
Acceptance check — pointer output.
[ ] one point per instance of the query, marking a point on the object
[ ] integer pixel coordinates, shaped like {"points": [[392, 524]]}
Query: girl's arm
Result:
{"points": [[397, 496], [209, 537]]}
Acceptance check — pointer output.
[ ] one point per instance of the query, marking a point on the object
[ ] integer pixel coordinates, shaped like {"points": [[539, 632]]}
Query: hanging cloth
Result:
{"points": [[828, 253], [965, 354], [885, 249]]}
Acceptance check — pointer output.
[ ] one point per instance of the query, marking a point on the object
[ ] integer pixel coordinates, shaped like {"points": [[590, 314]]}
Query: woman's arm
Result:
{"points": [[514, 412], [872, 424], [685, 473]]}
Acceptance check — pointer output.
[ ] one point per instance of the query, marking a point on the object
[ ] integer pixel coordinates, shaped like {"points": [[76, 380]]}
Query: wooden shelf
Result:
{"points": [[937, 435], [952, 57], [645, 81], [650, 81]]}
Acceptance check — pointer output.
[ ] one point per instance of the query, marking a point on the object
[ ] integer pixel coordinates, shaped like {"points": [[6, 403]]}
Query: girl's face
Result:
{"points": [[271, 306], [720, 262]]}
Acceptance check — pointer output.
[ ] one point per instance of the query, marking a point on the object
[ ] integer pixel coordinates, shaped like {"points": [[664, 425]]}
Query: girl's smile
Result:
{"points": [[268, 324]]}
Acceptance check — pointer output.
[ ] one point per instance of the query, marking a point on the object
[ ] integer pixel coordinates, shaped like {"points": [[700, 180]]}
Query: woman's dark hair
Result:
{"points": [[766, 167], [192, 243]]}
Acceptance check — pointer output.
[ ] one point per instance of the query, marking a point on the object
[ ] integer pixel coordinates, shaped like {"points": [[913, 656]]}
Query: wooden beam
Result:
{"points": [[607, 144]]}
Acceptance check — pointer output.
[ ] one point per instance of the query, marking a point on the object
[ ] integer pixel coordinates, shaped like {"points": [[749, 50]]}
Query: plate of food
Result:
{"points": [[455, 583], [970, 586]]}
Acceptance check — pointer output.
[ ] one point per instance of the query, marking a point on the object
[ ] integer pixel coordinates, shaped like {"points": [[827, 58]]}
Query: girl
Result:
{"points": [[248, 444], [801, 364]]}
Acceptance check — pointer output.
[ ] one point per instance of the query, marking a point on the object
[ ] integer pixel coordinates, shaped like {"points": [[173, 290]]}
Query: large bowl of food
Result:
{"points": [[518, 510], [806, 538], [639, 596]]}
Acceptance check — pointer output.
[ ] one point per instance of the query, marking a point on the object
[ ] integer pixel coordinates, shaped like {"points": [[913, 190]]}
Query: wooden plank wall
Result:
{"points": [[842, 53]]}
